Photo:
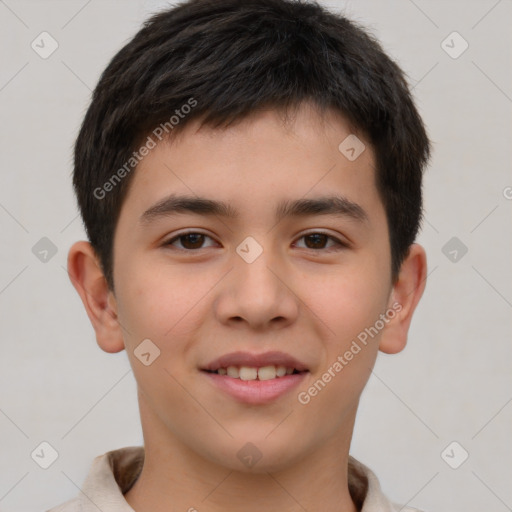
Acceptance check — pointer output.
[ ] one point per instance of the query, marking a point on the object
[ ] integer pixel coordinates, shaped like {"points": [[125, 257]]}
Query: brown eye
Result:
{"points": [[318, 241], [189, 241]]}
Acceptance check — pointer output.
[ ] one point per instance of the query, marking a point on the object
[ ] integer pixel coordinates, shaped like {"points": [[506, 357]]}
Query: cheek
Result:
{"points": [[348, 300], [153, 310], [347, 305], [154, 305], [166, 308]]}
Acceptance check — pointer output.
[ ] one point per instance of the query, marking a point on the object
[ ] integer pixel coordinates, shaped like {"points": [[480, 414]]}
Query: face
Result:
{"points": [[201, 284]]}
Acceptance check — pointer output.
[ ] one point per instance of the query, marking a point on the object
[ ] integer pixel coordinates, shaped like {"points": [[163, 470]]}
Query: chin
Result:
{"points": [[257, 455]]}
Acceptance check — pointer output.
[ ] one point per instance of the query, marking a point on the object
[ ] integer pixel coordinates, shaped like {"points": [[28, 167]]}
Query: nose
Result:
{"points": [[257, 295]]}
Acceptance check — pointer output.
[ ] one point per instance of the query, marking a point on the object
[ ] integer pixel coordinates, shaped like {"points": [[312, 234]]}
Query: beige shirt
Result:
{"points": [[113, 474]]}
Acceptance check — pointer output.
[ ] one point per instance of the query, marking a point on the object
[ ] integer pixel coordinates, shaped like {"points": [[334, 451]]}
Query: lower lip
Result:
{"points": [[256, 391]]}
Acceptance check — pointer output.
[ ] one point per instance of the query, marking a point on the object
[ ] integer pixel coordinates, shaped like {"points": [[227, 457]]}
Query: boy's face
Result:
{"points": [[201, 297]]}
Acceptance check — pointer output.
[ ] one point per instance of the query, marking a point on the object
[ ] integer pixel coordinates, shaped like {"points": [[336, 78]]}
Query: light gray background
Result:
{"points": [[453, 381]]}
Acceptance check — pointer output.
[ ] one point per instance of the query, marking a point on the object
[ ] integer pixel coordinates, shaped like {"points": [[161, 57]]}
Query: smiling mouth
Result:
{"points": [[248, 373]]}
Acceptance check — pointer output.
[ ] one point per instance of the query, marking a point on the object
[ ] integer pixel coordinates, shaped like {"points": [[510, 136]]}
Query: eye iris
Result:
{"points": [[318, 239], [196, 238]]}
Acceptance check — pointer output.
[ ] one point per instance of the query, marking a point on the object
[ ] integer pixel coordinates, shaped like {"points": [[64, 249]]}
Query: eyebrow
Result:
{"points": [[326, 205]]}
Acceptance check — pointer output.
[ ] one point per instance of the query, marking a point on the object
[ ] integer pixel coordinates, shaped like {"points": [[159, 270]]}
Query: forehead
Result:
{"points": [[258, 163]]}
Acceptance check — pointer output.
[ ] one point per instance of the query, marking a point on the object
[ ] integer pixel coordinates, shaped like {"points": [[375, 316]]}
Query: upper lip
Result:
{"points": [[256, 360]]}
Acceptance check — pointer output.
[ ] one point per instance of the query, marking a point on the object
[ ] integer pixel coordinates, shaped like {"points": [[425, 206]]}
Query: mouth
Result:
{"points": [[254, 373], [255, 378]]}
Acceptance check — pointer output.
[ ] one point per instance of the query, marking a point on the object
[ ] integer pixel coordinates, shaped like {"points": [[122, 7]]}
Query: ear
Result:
{"points": [[87, 277], [403, 300]]}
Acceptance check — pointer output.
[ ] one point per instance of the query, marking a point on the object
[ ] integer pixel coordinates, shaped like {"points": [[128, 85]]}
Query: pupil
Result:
{"points": [[316, 237], [196, 238]]}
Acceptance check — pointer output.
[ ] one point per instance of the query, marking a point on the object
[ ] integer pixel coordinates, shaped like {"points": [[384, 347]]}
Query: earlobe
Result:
{"points": [[87, 277], [404, 298]]}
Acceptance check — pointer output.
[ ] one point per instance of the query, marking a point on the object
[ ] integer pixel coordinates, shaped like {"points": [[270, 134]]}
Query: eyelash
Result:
{"points": [[339, 244]]}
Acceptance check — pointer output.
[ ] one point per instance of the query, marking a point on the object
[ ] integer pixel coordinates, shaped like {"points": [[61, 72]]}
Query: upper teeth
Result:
{"points": [[253, 373]]}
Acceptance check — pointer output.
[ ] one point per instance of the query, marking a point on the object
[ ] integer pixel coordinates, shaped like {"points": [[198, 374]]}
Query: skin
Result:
{"points": [[296, 297]]}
